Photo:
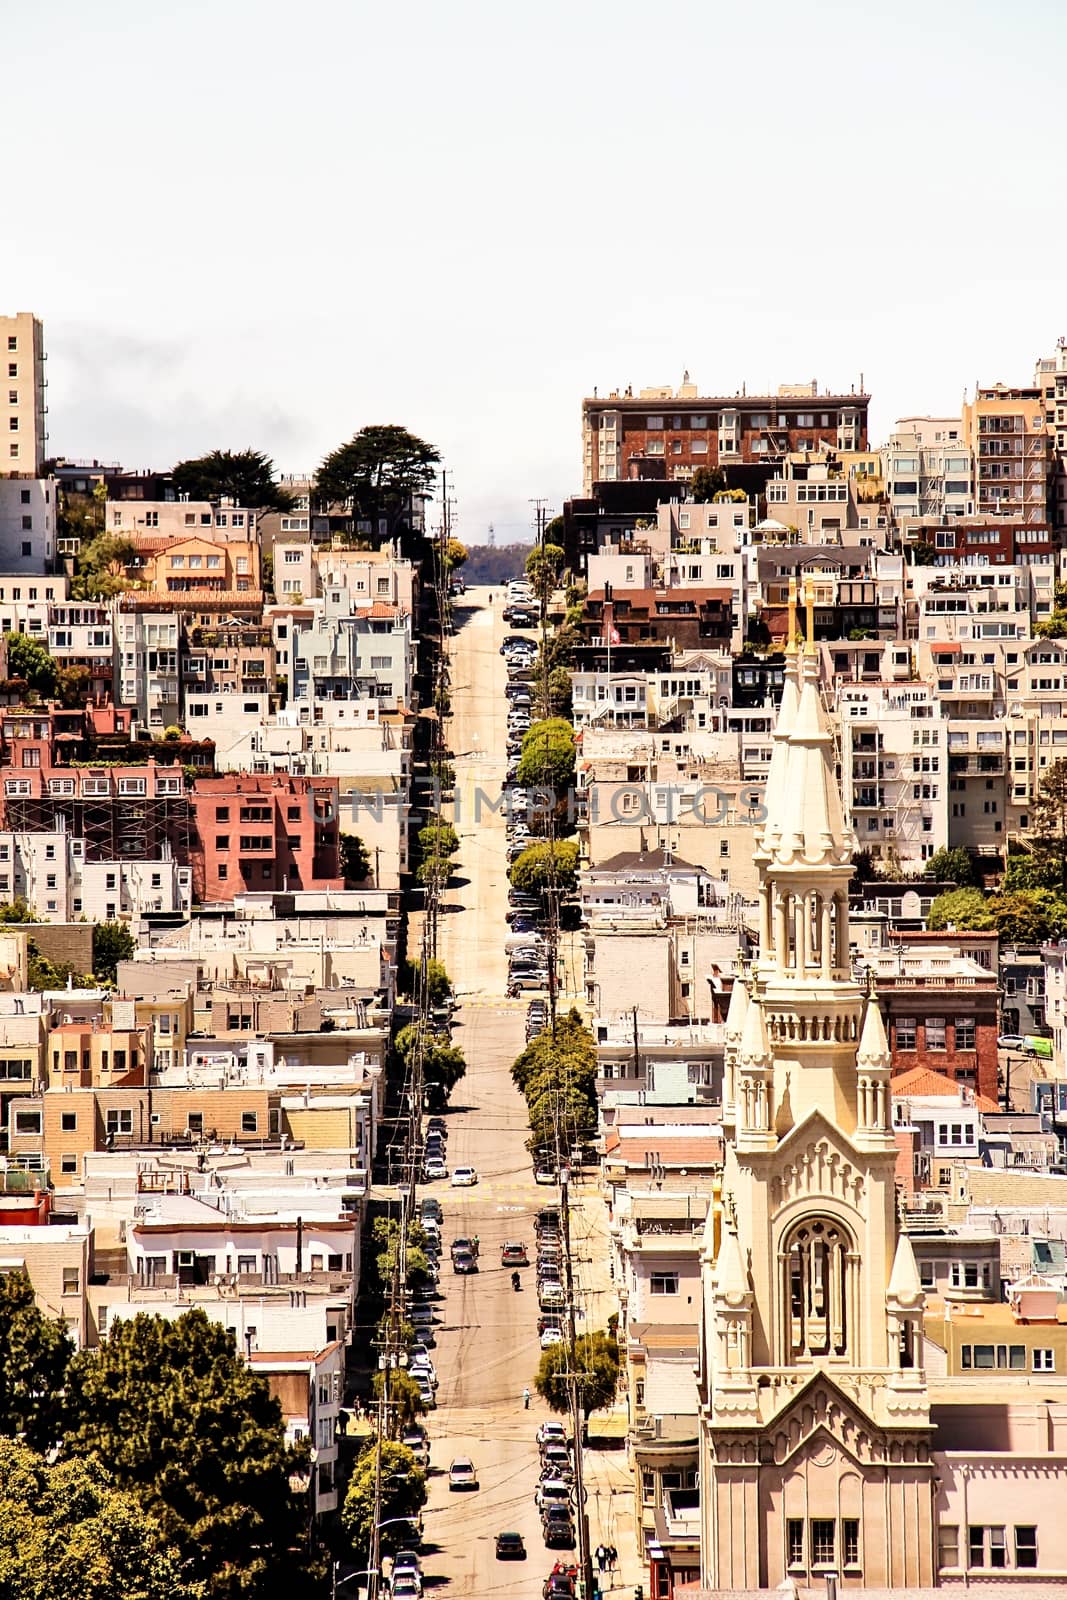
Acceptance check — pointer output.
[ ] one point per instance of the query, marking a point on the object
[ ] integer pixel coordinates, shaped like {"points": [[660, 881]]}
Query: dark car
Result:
{"points": [[558, 1529], [510, 1547], [464, 1261], [558, 1586]]}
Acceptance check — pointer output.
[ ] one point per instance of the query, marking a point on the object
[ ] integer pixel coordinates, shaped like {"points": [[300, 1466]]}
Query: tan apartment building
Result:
{"points": [[1006, 431], [58, 1261], [22, 450], [96, 1054]]}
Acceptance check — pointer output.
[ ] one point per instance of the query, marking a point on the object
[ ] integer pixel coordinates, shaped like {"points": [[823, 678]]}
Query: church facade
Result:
{"points": [[815, 1431]]}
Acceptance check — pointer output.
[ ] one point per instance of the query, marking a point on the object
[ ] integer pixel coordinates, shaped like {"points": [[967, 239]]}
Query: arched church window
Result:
{"points": [[817, 1271]]}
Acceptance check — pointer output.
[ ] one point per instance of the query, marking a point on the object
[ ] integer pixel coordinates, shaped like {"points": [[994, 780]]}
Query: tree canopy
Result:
{"points": [[245, 476], [442, 1062], [955, 866], [112, 942], [543, 567], [403, 1495], [596, 1370], [706, 483], [546, 865], [27, 658], [101, 568], [1048, 820], [67, 1534], [174, 1415], [548, 755], [34, 1353], [438, 982], [1021, 916], [379, 472], [355, 860]]}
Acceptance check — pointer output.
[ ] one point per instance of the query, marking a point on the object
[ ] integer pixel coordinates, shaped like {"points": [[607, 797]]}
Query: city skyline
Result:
{"points": [[437, 236]]}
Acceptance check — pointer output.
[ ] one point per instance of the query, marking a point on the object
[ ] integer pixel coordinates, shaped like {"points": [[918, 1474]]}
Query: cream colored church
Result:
{"points": [[819, 1452]]}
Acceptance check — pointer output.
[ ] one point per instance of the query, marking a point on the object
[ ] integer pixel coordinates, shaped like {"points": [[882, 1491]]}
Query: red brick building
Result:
{"points": [[940, 1002], [661, 433], [684, 618], [996, 543], [265, 831]]}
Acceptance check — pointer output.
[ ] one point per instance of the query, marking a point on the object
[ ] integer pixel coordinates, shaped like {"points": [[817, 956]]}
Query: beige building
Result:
{"points": [[22, 351], [822, 1448], [1007, 433]]}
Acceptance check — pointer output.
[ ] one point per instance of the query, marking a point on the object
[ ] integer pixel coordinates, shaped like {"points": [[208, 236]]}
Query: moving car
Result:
{"points": [[510, 1547], [461, 1474], [559, 1586], [544, 1174], [513, 1254], [464, 1178], [464, 1261]]}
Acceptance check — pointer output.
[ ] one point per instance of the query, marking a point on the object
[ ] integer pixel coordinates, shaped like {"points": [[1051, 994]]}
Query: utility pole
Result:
{"points": [[585, 1555]]}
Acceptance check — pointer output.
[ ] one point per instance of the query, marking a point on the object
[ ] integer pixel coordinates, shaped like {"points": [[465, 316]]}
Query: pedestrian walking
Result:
{"points": [[526, 1399], [601, 1557], [613, 1558]]}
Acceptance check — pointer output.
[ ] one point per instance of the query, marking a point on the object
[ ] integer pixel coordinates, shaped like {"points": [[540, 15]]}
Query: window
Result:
{"points": [[119, 1121], [850, 1541], [27, 1122], [71, 1280], [1026, 1546], [246, 1265], [935, 1033], [68, 1164], [964, 1033], [664, 1283], [68, 1122], [823, 1541], [794, 1540], [986, 1547], [948, 1544], [905, 1033], [249, 1121], [1044, 1361]]}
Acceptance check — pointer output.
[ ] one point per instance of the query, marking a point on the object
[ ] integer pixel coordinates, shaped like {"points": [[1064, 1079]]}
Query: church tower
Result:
{"points": [[815, 1429]]}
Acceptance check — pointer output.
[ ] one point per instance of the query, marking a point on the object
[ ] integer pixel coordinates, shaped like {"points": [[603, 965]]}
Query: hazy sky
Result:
{"points": [[253, 223]]}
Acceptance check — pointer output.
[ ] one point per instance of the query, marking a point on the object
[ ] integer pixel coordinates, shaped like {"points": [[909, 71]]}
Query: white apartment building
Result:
{"points": [[336, 655], [956, 603], [43, 870], [22, 415], [27, 524], [296, 573], [182, 519], [25, 601], [126, 891], [894, 767], [928, 469], [1050, 375], [80, 632], [146, 655]]}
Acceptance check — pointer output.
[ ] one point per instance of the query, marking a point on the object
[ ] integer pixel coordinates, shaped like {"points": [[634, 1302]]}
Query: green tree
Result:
{"points": [[43, 974], [554, 698], [546, 865], [954, 866], [560, 1113], [18, 910], [28, 659], [548, 755], [380, 471], [403, 1399], [175, 1416], [706, 483], [966, 909], [34, 1353], [245, 476], [595, 1368], [438, 983], [442, 1062], [80, 516], [455, 555], [438, 838], [101, 568], [569, 1055], [1048, 820], [543, 567], [1028, 916], [67, 1534], [403, 1486], [112, 942], [355, 861], [1025, 870], [73, 684]]}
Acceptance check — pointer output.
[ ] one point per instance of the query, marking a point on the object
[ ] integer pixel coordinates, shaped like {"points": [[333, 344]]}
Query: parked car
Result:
{"points": [[510, 1547], [550, 1336], [406, 1586], [552, 1492], [544, 1174], [434, 1171], [430, 1208], [559, 1586], [558, 1526], [551, 1433], [461, 1474]]}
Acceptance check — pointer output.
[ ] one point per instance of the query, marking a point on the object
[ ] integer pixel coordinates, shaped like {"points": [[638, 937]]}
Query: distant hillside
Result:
{"points": [[494, 563]]}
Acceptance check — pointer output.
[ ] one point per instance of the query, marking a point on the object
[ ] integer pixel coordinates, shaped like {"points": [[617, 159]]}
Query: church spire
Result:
{"points": [[805, 822]]}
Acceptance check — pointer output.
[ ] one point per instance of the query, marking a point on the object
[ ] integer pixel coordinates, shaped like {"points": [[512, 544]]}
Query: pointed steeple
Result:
{"points": [[755, 1050], [905, 1285], [737, 1011], [807, 822], [873, 1049], [731, 1279]]}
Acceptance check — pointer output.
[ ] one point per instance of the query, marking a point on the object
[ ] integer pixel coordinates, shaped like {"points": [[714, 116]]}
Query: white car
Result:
{"points": [[433, 1171], [464, 1178], [550, 1337], [423, 1369]]}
